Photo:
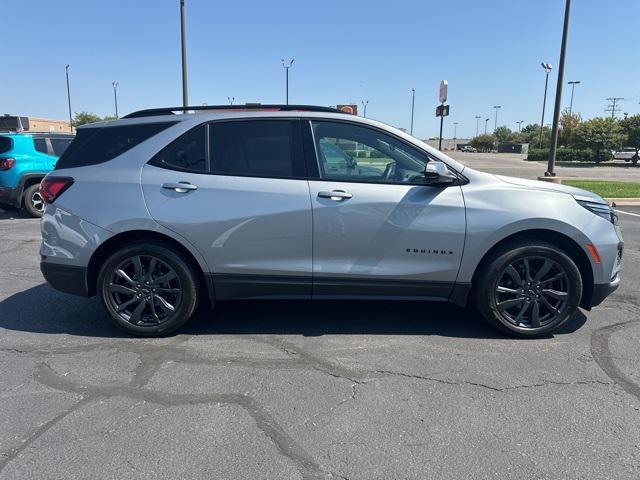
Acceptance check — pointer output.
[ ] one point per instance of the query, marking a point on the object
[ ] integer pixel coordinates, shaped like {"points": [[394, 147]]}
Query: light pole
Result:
{"points": [[547, 68], [478, 117], [455, 134], [287, 66], [413, 103], [231, 99], [486, 120], [364, 107], [495, 125], [573, 84], [520, 124], [69, 98], [183, 41], [556, 110], [115, 95]]}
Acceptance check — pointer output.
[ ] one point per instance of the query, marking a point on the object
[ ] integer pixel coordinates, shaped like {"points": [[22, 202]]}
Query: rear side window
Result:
{"points": [[260, 148], [6, 144], [188, 152], [60, 145], [40, 145], [92, 146]]}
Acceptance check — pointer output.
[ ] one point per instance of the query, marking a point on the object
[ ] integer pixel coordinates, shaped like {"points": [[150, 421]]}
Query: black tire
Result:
{"points": [[543, 305], [175, 285], [32, 201]]}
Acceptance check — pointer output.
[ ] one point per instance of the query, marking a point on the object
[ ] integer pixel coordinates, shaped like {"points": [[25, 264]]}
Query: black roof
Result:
{"points": [[248, 107]]}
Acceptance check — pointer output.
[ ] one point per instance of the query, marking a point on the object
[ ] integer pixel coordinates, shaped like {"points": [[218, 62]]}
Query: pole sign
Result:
{"points": [[348, 108], [444, 86], [442, 111]]}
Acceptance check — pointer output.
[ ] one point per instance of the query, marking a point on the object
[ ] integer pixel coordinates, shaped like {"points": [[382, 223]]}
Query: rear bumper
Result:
{"points": [[11, 196], [66, 278]]}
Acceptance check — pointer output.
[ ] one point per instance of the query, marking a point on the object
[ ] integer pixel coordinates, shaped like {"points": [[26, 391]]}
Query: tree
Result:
{"points": [[531, 135], [484, 143], [568, 124], [503, 134], [601, 135], [81, 118], [631, 128]]}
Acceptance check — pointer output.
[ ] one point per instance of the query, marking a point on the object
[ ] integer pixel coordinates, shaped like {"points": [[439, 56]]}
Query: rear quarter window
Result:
{"points": [[95, 145], [6, 144]]}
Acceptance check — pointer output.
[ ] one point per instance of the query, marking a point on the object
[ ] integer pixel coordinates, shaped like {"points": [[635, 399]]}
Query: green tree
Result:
{"points": [[531, 135], [601, 135], [80, 118], [504, 134], [631, 128], [568, 124], [484, 143]]}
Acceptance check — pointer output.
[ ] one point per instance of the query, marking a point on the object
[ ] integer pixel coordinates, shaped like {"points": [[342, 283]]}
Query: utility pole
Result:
{"points": [[364, 106], [455, 134], [556, 111], [231, 99], [495, 126], [478, 117], [287, 66], [413, 103], [486, 120], [547, 68], [69, 98], [573, 84], [115, 96], [614, 101], [185, 93]]}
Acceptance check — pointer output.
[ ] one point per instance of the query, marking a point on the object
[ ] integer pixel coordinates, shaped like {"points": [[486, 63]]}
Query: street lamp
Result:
{"points": [[287, 66], [478, 117], [573, 84], [183, 41], [115, 95], [69, 98], [455, 134], [495, 126], [413, 102], [364, 107], [520, 124], [486, 120], [231, 99], [547, 68]]}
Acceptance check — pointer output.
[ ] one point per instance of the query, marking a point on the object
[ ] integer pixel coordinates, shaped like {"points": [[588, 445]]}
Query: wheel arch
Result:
{"points": [[119, 240], [564, 242]]}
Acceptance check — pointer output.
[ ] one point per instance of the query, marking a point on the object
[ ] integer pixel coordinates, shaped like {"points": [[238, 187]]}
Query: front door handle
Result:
{"points": [[180, 187], [336, 195]]}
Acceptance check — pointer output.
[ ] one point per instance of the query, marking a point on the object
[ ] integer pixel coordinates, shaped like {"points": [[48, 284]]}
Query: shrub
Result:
{"points": [[568, 155]]}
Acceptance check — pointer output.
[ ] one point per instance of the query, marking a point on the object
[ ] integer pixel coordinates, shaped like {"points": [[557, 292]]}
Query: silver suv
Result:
{"points": [[159, 211]]}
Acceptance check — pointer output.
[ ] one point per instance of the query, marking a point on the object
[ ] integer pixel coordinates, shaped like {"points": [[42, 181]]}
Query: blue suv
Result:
{"points": [[25, 158]]}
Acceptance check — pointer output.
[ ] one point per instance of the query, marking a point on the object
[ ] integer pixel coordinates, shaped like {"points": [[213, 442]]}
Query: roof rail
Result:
{"points": [[242, 108]]}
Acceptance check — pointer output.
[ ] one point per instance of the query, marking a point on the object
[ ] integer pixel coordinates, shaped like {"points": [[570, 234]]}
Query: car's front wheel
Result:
{"points": [[148, 289], [528, 289]]}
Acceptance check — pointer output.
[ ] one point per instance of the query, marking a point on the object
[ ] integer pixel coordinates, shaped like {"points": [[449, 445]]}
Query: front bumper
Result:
{"points": [[602, 291], [66, 278], [10, 196]]}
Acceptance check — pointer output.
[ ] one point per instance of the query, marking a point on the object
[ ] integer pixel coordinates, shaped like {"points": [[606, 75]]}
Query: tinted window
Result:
{"points": [[256, 148], [40, 145], [6, 144], [95, 145], [186, 153], [59, 145], [356, 153]]}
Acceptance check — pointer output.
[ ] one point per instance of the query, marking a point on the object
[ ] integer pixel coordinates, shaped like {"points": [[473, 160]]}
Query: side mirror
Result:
{"points": [[437, 173]]}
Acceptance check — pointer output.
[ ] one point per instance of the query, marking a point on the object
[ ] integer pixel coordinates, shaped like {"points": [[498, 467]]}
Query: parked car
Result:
{"points": [[468, 149], [627, 154], [25, 158], [158, 211]]}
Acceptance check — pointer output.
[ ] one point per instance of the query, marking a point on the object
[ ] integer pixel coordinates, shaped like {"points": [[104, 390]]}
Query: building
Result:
{"points": [[14, 123], [448, 143]]}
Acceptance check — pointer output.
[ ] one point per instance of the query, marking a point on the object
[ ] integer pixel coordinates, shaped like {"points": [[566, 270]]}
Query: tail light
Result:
{"points": [[52, 187], [7, 163]]}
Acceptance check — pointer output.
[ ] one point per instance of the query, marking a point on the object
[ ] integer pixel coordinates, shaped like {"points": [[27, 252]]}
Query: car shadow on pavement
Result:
{"points": [[9, 213], [43, 310]]}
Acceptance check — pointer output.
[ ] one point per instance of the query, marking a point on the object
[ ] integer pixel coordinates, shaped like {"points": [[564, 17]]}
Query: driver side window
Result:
{"points": [[360, 154]]}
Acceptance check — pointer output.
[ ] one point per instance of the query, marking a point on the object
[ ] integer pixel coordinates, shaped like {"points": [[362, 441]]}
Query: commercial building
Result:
{"points": [[14, 123]]}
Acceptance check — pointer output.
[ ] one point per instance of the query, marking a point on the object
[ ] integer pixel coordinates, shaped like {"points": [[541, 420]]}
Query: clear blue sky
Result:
{"points": [[345, 51]]}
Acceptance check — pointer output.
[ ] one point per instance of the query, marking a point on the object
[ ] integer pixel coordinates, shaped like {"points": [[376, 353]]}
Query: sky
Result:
{"points": [[345, 51]]}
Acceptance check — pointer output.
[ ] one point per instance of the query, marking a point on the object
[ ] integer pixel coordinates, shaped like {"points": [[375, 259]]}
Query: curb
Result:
{"points": [[624, 202]]}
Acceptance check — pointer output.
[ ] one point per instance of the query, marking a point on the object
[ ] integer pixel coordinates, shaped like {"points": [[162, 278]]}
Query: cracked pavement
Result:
{"points": [[302, 390]]}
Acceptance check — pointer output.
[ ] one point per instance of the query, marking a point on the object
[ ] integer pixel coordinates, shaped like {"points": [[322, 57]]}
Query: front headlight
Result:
{"points": [[601, 209]]}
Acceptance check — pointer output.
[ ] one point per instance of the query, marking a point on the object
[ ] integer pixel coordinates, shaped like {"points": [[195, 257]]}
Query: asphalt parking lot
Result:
{"points": [[312, 390]]}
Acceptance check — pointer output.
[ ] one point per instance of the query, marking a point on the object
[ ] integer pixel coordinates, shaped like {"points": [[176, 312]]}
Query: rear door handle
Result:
{"points": [[336, 195], [180, 187]]}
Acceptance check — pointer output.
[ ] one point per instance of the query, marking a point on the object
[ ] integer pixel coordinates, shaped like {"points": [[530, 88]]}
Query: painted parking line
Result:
{"points": [[628, 213]]}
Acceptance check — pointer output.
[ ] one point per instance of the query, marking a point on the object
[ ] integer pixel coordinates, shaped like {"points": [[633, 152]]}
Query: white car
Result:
{"points": [[628, 154], [468, 148]]}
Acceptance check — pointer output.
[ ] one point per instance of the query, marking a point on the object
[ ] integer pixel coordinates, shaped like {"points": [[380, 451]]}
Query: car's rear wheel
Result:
{"points": [[528, 289], [148, 289], [33, 201]]}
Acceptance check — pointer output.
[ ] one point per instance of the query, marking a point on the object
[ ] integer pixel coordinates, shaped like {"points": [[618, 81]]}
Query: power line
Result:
{"points": [[612, 107]]}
